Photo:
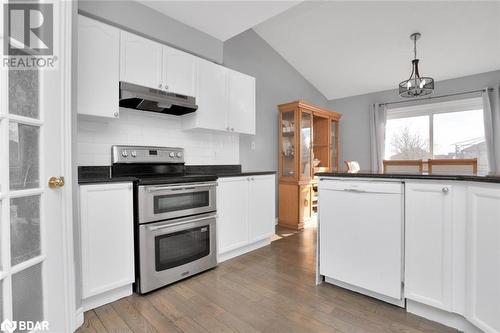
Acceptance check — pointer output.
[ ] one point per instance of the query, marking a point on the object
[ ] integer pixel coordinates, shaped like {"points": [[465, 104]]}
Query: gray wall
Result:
{"points": [[137, 18], [354, 125], [276, 82]]}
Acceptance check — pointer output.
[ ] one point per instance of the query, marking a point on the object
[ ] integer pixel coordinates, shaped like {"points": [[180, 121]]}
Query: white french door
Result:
{"points": [[36, 255]]}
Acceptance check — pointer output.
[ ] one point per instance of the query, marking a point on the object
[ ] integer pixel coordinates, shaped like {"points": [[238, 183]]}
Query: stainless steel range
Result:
{"points": [[175, 215]]}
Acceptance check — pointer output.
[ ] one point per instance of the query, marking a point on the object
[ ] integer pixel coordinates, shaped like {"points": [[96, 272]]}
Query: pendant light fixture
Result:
{"points": [[416, 85]]}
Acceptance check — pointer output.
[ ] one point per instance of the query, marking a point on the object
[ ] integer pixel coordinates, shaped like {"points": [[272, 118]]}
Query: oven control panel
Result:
{"points": [[146, 154]]}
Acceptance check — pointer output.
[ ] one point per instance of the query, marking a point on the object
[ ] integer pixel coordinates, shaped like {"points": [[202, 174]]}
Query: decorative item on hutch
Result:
{"points": [[308, 143]]}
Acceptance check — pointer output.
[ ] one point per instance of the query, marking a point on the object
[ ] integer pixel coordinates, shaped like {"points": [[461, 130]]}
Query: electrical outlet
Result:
{"points": [[252, 145]]}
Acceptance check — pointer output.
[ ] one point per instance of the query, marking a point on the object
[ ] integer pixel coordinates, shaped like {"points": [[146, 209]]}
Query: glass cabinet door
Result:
{"points": [[305, 145], [288, 144], [334, 145]]}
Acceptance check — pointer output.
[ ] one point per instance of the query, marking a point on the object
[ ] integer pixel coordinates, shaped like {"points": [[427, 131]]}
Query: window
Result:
{"points": [[448, 130]]}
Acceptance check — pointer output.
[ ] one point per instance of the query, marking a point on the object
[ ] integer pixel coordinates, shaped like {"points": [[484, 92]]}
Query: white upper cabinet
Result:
{"points": [[428, 251], [179, 71], [107, 55], [225, 98], [141, 61], [98, 68], [484, 257], [211, 98], [241, 108], [262, 207]]}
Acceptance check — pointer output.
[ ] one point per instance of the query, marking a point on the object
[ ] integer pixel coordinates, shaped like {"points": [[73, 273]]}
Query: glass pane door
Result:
{"points": [[22, 253], [36, 275], [305, 144], [334, 144], [288, 144]]}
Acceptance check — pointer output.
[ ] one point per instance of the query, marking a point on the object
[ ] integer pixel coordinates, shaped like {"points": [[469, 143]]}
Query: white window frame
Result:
{"points": [[431, 109]]}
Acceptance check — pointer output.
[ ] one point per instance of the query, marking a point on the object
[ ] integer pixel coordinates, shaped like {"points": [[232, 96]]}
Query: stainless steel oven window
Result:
{"points": [[182, 247], [174, 202]]}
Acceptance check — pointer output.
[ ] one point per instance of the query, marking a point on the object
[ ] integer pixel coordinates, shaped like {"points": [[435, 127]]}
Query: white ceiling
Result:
{"points": [[221, 19], [352, 48]]}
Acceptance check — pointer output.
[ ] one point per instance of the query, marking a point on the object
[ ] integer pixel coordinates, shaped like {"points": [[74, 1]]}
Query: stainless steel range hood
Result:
{"points": [[137, 97]]}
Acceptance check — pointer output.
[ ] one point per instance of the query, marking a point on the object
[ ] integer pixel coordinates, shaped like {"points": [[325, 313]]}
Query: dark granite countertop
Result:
{"points": [[487, 178], [102, 174], [231, 170], [247, 173], [98, 180], [99, 174]]}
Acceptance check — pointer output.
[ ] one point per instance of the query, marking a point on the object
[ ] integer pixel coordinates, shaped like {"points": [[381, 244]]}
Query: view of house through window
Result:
{"points": [[440, 131]]}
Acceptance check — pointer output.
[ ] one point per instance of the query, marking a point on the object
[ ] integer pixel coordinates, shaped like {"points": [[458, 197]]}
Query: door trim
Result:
{"points": [[68, 34]]}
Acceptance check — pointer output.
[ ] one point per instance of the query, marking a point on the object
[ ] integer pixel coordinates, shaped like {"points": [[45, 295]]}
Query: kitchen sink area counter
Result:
{"points": [[487, 177], [445, 233]]}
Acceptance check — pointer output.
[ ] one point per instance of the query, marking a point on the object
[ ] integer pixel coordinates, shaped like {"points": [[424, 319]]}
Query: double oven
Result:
{"points": [[175, 215], [176, 232]]}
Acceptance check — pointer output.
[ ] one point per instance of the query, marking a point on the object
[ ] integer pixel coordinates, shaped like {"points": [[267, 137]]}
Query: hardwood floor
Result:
{"points": [[268, 290]]}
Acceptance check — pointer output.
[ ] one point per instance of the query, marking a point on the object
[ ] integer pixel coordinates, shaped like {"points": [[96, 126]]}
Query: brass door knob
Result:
{"points": [[55, 182]]}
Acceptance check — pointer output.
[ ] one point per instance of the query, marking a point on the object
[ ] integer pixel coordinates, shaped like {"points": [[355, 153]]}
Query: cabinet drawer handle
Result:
{"points": [[159, 86], [115, 114], [445, 190]]}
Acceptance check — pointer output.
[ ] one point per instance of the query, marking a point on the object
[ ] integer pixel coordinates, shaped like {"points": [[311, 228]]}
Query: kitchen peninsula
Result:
{"points": [[427, 242]]}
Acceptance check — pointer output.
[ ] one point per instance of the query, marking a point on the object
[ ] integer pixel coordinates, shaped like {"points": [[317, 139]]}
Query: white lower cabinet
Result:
{"points": [[232, 222], [246, 210], [452, 253], [107, 242], [483, 265], [261, 207], [428, 244]]}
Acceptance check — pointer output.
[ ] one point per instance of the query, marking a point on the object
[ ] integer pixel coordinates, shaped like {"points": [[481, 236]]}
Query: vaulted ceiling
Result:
{"points": [[351, 48], [221, 19], [347, 48]]}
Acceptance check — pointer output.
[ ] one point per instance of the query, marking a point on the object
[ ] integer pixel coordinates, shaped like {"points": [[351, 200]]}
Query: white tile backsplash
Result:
{"points": [[96, 136]]}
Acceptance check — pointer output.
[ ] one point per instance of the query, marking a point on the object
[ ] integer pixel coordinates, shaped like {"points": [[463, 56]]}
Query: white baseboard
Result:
{"points": [[443, 317], [221, 257], [107, 297], [387, 299], [79, 318]]}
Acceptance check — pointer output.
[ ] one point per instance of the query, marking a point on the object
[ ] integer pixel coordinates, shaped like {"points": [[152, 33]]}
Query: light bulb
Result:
{"points": [[422, 83], [408, 85]]}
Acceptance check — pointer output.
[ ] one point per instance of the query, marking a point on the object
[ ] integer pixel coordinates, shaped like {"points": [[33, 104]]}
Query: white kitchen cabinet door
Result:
{"points": [[179, 71], [262, 205], [241, 109], [484, 257], [107, 236], [232, 209], [98, 68], [428, 244], [141, 61], [211, 97]]}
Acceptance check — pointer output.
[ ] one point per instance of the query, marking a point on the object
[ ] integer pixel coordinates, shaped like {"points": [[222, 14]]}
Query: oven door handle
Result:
{"points": [[179, 187], [168, 225]]}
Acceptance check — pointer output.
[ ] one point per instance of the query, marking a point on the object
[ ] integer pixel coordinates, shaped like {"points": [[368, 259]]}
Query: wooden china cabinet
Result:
{"points": [[308, 143]]}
